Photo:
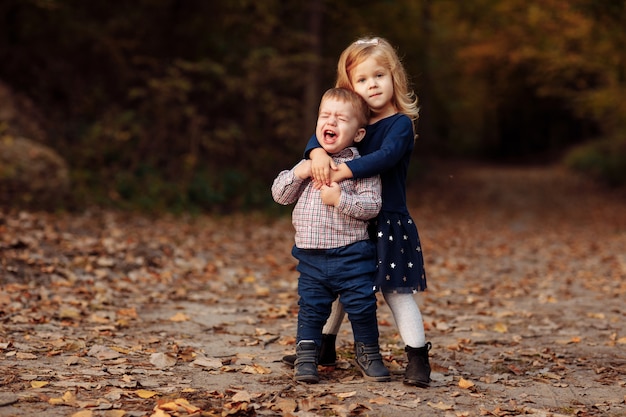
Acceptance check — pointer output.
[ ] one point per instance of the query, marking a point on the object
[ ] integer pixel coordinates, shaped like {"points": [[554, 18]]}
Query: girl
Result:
{"points": [[372, 68]]}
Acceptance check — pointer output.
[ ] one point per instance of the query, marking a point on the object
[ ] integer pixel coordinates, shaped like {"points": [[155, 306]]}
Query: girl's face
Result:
{"points": [[374, 83]]}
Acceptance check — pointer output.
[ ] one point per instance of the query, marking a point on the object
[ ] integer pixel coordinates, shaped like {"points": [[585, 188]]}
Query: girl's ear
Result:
{"points": [[360, 134]]}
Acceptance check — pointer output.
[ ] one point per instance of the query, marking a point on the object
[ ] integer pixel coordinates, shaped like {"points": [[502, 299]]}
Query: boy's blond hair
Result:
{"points": [[404, 99], [361, 109]]}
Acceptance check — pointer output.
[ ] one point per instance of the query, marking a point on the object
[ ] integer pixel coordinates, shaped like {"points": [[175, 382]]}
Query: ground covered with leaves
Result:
{"points": [[114, 314]]}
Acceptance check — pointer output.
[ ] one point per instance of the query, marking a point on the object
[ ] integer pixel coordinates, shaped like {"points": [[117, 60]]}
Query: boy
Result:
{"points": [[335, 255]]}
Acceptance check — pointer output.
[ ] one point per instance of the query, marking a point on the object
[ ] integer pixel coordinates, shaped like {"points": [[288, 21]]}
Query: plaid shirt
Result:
{"points": [[319, 226]]}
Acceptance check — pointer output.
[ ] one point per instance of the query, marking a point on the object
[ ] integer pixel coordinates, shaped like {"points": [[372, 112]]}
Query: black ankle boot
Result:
{"points": [[328, 353], [370, 362], [305, 365], [417, 372]]}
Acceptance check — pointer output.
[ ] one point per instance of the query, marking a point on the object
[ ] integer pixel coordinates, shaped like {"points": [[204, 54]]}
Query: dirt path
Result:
{"points": [[107, 314]]}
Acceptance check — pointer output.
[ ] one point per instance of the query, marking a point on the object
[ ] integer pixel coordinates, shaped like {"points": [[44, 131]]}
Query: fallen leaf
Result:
{"points": [[190, 408], [256, 369], [379, 400], [83, 413], [440, 406], [178, 317], [465, 384], [38, 384], [142, 393], [159, 413], [500, 327], [114, 413], [211, 363], [346, 394], [25, 356], [286, 405], [241, 396], [162, 360], [103, 353]]}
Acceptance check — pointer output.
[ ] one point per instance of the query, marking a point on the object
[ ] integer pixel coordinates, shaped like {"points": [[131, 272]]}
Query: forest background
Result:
{"points": [[194, 105]]}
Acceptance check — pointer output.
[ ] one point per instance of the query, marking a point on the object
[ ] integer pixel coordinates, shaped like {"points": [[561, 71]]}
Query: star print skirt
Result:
{"points": [[400, 259]]}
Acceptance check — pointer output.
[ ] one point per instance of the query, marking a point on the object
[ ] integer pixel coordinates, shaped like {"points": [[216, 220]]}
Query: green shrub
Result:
{"points": [[604, 160]]}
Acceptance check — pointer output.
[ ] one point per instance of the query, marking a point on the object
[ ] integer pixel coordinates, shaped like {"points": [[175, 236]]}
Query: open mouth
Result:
{"points": [[329, 134]]}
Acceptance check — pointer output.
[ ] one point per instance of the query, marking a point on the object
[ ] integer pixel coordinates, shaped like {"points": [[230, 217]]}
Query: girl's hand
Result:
{"points": [[331, 195], [321, 166], [303, 169]]}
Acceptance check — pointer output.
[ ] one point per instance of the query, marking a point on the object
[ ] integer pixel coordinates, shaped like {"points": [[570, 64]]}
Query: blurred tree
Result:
{"points": [[189, 103], [531, 74]]}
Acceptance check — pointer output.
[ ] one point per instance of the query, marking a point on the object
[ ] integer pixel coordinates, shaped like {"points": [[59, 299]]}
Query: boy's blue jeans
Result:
{"points": [[348, 272]]}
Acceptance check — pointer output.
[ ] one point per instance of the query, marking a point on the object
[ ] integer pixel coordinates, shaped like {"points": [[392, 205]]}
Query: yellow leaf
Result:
{"points": [[500, 327], [114, 413], [169, 406], [69, 397], [159, 413], [145, 393], [262, 291], [346, 394], [255, 369], [38, 384], [190, 408], [83, 413], [622, 340], [179, 317], [56, 401], [465, 384]]}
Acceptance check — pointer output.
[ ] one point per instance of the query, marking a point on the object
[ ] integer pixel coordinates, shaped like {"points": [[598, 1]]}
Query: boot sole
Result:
{"points": [[376, 378], [290, 363], [372, 378], [308, 379], [415, 383]]}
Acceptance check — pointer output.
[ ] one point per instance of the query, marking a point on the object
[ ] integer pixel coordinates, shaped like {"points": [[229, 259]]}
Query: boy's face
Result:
{"points": [[337, 126]]}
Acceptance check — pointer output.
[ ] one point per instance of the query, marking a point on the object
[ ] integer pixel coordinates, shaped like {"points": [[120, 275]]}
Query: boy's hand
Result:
{"points": [[321, 166], [331, 194], [303, 170]]}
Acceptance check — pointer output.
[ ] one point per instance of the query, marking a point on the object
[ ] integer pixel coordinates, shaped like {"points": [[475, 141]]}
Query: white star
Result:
{"points": [[393, 265], [388, 221], [380, 234], [399, 223], [405, 237], [390, 237], [401, 250], [410, 221], [410, 264], [388, 277], [418, 249]]}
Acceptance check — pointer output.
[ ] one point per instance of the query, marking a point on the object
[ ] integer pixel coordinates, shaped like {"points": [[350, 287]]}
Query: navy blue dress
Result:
{"points": [[386, 151]]}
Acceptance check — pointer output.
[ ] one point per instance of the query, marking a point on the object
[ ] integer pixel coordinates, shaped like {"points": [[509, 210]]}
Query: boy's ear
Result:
{"points": [[360, 134]]}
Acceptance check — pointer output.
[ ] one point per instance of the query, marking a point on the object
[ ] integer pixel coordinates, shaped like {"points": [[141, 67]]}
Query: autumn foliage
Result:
{"points": [[196, 105]]}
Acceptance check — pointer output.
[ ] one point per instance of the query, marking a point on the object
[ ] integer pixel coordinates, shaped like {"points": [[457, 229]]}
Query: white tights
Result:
{"points": [[406, 314]]}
